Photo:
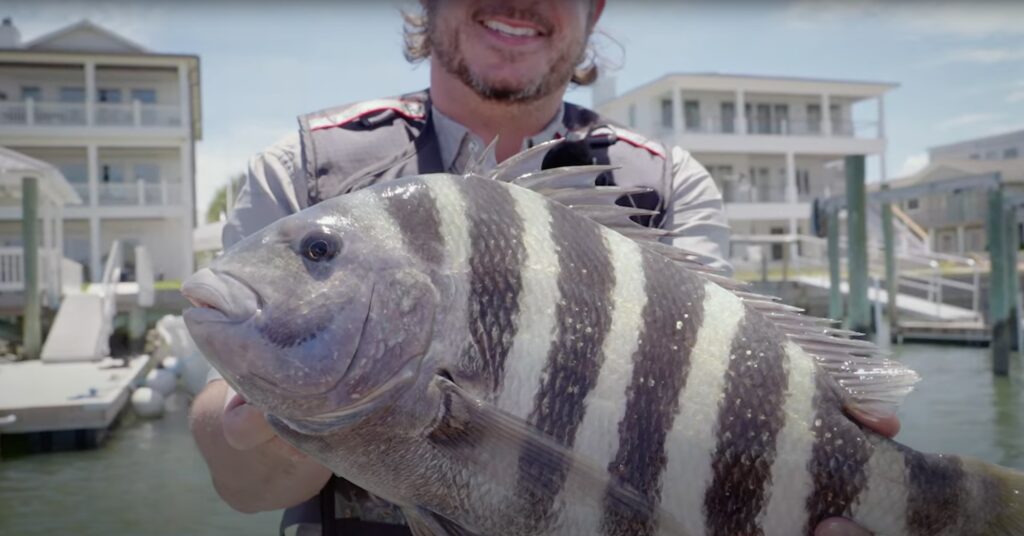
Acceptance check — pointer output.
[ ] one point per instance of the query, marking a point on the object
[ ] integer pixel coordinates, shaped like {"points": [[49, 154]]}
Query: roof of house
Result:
{"points": [[85, 35], [1010, 171], [865, 89]]}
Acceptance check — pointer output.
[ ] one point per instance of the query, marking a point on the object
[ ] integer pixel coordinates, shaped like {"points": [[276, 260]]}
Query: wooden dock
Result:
{"points": [[950, 331], [57, 397]]}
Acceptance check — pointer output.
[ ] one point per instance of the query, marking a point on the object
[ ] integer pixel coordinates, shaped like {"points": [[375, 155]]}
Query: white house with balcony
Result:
{"points": [[120, 123], [772, 144]]}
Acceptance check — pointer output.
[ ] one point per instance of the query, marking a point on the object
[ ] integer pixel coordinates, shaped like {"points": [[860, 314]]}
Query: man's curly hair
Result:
{"points": [[417, 47]]}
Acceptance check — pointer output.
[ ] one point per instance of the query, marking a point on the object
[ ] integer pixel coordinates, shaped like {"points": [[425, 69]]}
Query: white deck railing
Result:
{"points": [[47, 113], [928, 273], [56, 273], [139, 193], [133, 194]]}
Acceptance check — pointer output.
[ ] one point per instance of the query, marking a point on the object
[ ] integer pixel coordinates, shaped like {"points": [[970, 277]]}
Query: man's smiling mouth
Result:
{"points": [[511, 30]]}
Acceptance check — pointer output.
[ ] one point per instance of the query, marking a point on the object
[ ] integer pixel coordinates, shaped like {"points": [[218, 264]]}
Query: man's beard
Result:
{"points": [[445, 46]]}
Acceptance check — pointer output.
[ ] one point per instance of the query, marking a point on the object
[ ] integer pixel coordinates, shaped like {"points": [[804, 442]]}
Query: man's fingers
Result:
{"points": [[887, 426], [838, 526], [245, 427]]}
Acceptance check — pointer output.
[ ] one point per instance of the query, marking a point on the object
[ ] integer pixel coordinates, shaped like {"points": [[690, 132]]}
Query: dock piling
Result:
{"points": [[998, 287], [32, 338], [859, 312], [835, 292], [890, 264]]}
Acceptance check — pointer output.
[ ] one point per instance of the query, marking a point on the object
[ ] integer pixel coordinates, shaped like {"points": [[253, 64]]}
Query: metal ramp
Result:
{"points": [[83, 325], [80, 332], [919, 307]]}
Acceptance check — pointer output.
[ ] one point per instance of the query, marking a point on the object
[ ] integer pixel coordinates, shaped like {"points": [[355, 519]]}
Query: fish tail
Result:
{"points": [[1001, 492]]}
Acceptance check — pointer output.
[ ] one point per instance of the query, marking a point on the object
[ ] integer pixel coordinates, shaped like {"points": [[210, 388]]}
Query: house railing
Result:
{"points": [[729, 125], [931, 276], [47, 113], [57, 274], [140, 193], [133, 194]]}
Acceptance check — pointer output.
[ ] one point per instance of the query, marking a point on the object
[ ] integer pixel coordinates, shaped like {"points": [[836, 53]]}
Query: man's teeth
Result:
{"points": [[513, 31]]}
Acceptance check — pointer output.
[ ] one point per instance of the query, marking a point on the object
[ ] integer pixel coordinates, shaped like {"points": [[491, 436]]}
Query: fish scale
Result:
{"points": [[547, 375]]}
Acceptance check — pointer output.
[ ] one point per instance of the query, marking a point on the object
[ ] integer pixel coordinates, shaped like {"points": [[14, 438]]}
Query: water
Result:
{"points": [[149, 479]]}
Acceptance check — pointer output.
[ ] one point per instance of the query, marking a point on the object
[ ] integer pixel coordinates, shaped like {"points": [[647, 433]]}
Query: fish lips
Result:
{"points": [[219, 297]]}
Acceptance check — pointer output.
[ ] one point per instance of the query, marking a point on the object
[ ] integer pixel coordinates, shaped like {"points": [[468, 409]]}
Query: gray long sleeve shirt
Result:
{"points": [[274, 188]]}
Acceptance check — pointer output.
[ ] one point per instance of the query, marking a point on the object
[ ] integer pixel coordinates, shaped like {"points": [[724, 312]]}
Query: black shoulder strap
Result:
{"points": [[589, 140]]}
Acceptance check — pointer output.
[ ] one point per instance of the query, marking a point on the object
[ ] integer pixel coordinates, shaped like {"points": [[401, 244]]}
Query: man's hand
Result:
{"points": [[252, 468], [246, 428], [886, 426]]}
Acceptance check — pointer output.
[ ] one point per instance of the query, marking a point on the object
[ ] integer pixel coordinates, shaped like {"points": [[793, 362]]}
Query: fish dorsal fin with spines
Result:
{"points": [[869, 381]]}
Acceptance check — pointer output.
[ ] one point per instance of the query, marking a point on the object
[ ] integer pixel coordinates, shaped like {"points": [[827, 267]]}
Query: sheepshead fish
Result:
{"points": [[509, 354]]}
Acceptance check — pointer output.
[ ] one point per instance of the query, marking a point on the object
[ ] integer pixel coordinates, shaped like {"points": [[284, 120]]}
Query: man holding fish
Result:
{"points": [[498, 69]]}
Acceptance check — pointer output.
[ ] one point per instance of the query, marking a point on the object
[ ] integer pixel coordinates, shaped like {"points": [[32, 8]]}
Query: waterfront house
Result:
{"points": [[120, 122], [773, 144], [954, 223]]}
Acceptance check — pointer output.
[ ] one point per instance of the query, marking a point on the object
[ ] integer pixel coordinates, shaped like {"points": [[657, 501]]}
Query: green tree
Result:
{"points": [[219, 203]]}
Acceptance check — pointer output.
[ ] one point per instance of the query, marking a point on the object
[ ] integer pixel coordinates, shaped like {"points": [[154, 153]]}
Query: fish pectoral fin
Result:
{"points": [[423, 522], [515, 454]]}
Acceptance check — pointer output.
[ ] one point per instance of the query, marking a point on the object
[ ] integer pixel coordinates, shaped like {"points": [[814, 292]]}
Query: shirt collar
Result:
{"points": [[451, 136]]}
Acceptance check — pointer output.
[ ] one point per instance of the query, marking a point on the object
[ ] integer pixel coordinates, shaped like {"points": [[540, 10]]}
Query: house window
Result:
{"points": [[72, 94], [838, 125], [108, 95], [764, 118], [780, 119], [632, 115], [975, 156], [691, 111], [1011, 153], [814, 119], [666, 113], [145, 96], [728, 117], [75, 173], [31, 92], [147, 172], [803, 182], [913, 203]]}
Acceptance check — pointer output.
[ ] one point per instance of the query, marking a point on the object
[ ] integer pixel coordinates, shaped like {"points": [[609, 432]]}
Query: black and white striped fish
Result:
{"points": [[509, 355]]}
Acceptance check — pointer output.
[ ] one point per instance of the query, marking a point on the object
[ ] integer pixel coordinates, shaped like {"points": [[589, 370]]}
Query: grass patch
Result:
{"points": [[168, 284]]}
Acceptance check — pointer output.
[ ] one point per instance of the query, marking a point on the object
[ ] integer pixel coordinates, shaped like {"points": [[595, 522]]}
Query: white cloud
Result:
{"points": [[913, 164], [967, 19], [987, 56], [965, 120], [1017, 93]]}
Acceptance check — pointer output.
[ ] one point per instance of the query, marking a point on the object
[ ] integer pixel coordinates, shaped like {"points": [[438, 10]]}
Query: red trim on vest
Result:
{"points": [[411, 110], [635, 140]]}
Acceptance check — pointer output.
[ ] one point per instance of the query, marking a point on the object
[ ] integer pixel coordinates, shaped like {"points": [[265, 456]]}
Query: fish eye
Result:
{"points": [[319, 246]]}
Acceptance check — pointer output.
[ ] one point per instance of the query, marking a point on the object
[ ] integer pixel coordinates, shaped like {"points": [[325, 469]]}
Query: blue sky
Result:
{"points": [[960, 66]]}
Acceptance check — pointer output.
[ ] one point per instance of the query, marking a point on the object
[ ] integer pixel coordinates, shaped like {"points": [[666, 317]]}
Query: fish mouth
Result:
{"points": [[219, 297]]}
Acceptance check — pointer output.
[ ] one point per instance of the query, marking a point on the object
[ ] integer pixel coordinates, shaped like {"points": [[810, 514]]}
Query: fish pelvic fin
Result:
{"points": [[1005, 489]]}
